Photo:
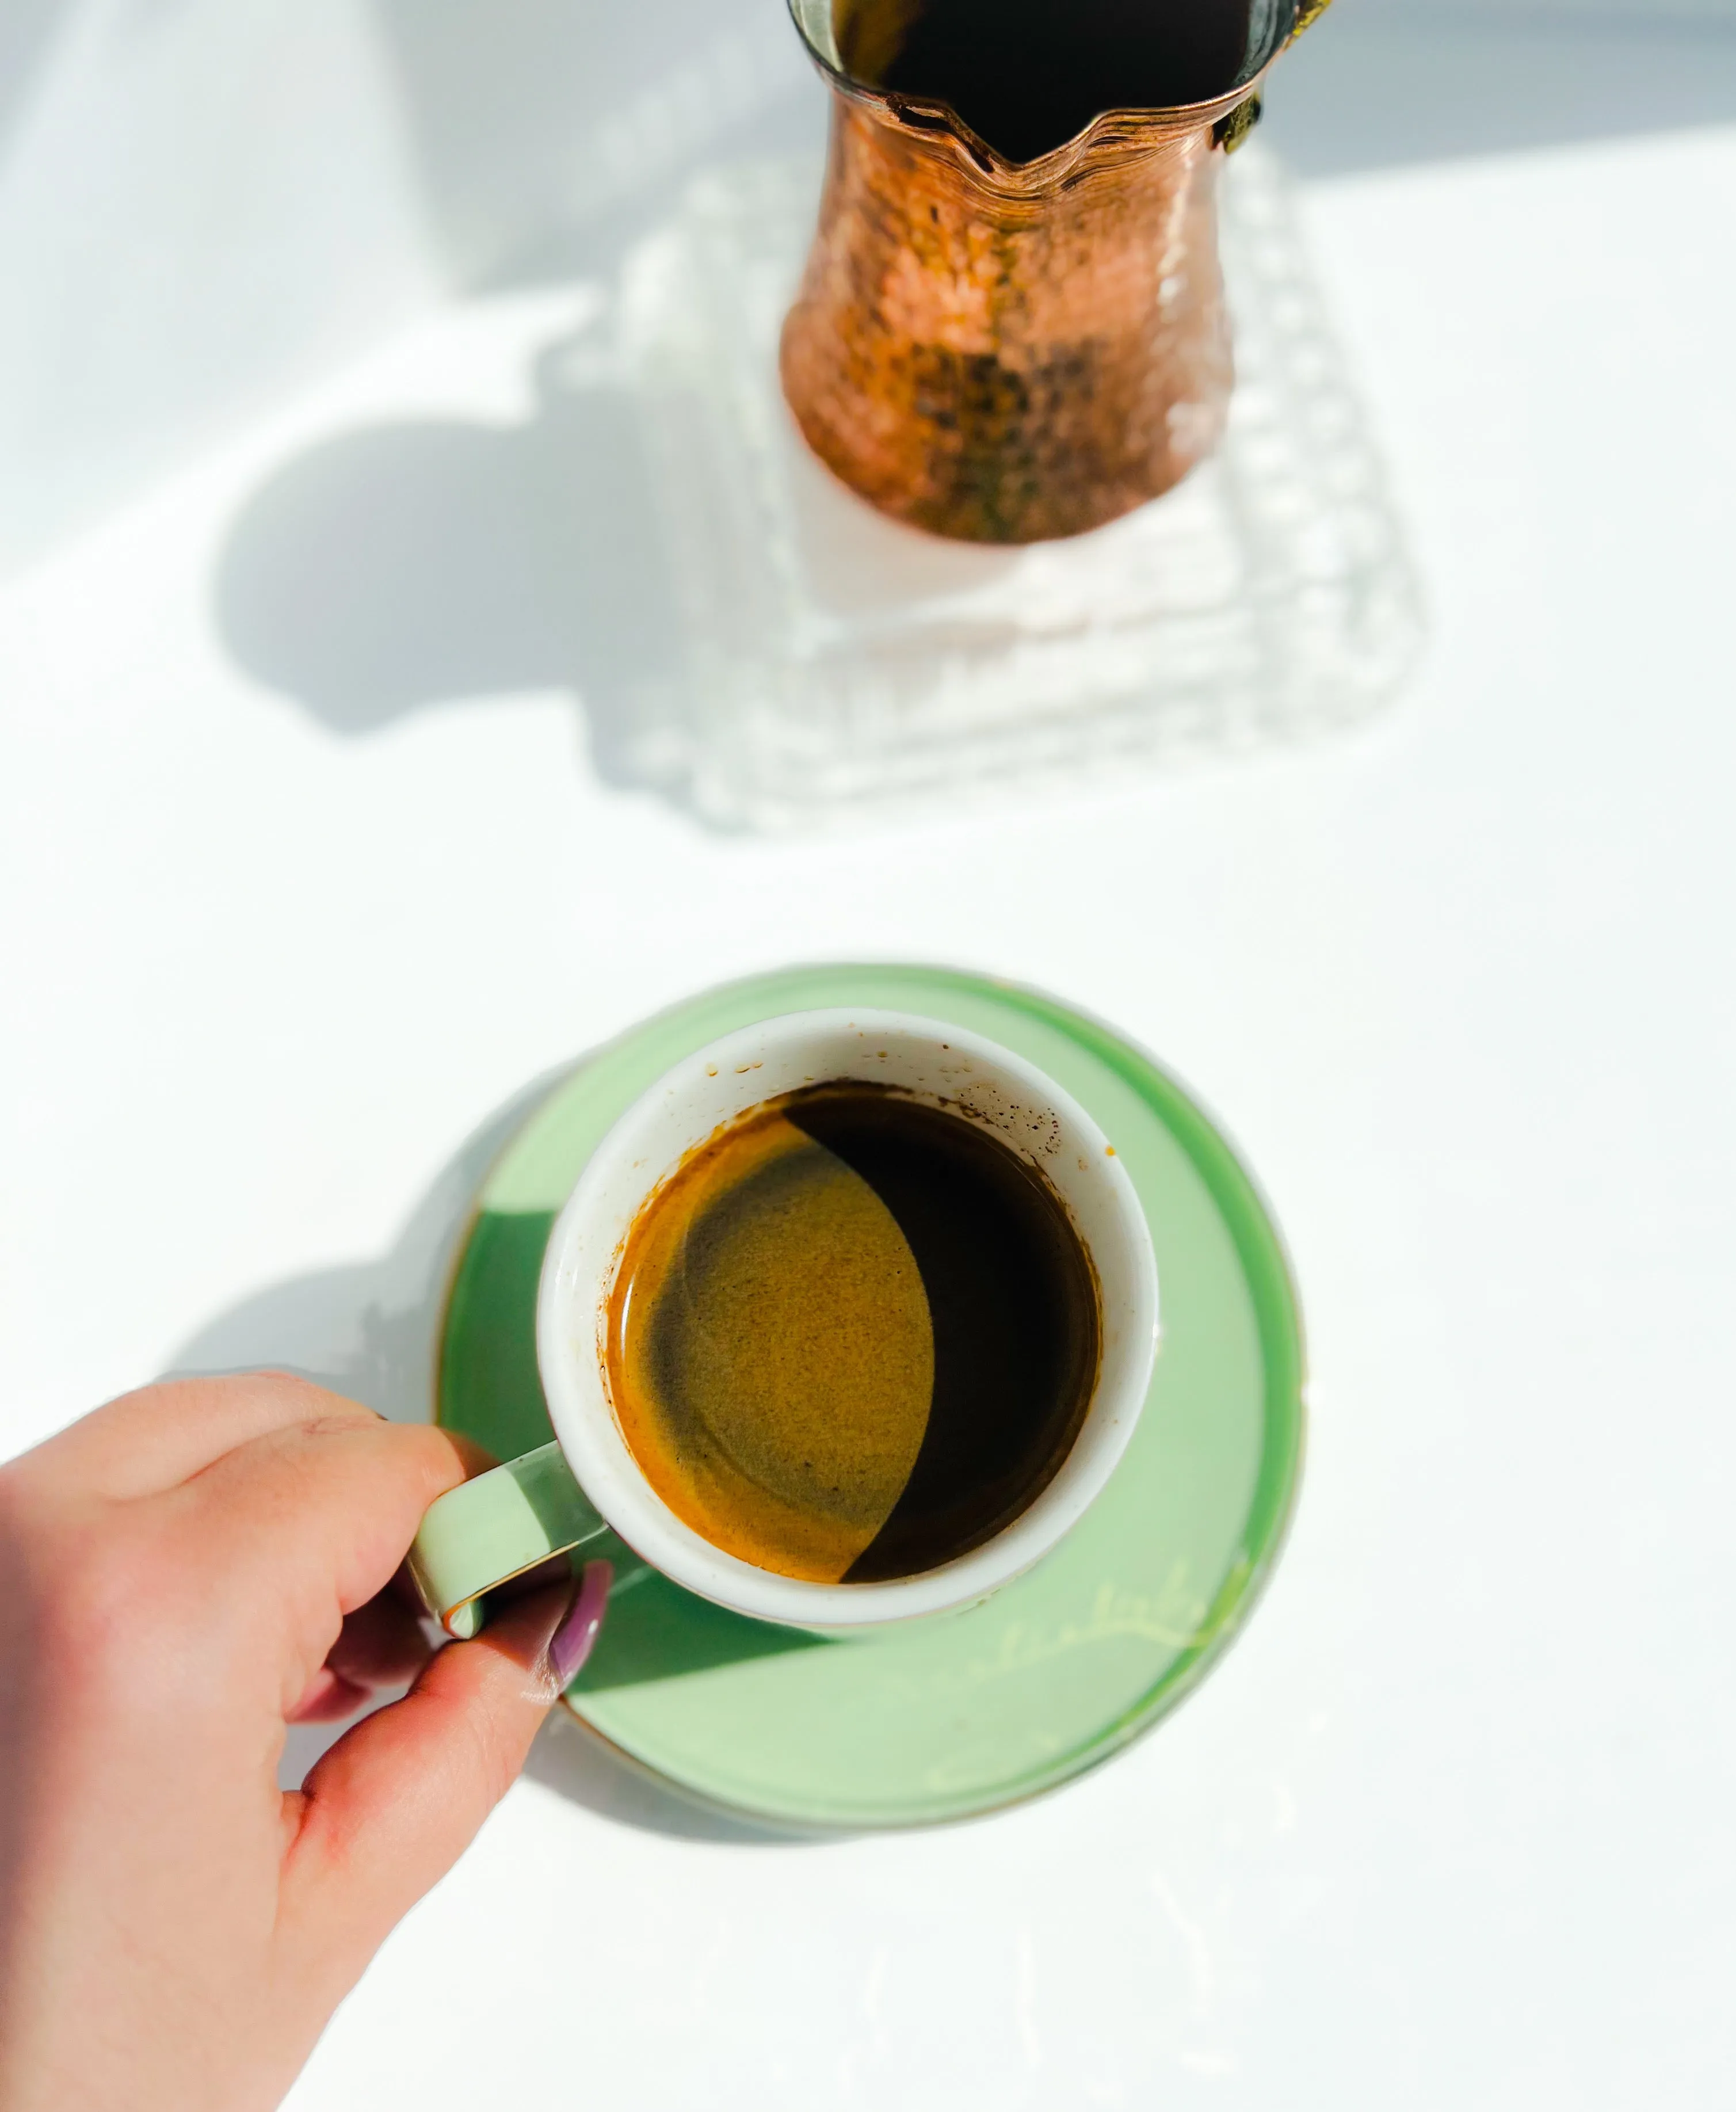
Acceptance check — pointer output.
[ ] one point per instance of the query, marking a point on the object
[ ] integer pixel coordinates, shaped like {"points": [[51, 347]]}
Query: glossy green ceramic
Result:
{"points": [[969, 1711]]}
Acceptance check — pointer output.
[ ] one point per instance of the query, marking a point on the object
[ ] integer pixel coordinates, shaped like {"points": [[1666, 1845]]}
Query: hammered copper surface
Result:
{"points": [[1010, 355], [1005, 353]]}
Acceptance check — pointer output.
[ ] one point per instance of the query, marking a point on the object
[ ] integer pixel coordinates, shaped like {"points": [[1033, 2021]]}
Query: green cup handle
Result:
{"points": [[490, 1530]]}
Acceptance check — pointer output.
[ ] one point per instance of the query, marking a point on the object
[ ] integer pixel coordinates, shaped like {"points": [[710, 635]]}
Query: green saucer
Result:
{"points": [[1060, 1669]]}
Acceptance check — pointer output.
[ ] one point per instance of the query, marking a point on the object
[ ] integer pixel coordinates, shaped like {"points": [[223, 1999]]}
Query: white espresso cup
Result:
{"points": [[510, 1520]]}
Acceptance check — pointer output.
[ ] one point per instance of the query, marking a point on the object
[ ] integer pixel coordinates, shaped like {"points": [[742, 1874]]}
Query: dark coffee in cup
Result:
{"points": [[852, 1336]]}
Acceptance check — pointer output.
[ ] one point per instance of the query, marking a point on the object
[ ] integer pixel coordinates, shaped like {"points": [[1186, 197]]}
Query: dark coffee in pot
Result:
{"points": [[1028, 76]]}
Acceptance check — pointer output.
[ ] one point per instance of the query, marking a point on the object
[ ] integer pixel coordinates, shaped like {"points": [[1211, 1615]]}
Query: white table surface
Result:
{"points": [[1452, 1826]]}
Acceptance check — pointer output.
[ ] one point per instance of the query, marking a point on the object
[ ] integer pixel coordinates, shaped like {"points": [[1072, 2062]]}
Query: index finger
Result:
{"points": [[320, 1514], [159, 1436]]}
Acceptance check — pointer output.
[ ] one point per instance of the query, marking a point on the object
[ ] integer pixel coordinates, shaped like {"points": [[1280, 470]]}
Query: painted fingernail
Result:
{"points": [[572, 1642]]}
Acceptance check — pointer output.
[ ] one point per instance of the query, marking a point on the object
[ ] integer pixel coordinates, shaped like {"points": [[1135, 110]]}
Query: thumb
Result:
{"points": [[388, 1810]]}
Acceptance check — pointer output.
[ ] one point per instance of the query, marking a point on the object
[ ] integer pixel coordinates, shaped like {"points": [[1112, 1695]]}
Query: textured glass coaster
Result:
{"points": [[834, 661]]}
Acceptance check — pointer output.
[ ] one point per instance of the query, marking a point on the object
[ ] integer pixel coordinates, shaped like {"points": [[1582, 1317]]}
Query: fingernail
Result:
{"points": [[571, 1643]]}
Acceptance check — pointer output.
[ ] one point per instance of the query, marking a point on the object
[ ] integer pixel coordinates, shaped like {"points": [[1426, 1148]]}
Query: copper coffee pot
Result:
{"points": [[1001, 350]]}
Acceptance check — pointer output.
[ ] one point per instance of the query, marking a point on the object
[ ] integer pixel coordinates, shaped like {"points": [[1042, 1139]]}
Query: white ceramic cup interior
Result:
{"points": [[687, 1106]]}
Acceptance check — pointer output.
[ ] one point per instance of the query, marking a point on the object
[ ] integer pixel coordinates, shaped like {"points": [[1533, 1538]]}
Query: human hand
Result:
{"points": [[182, 1573]]}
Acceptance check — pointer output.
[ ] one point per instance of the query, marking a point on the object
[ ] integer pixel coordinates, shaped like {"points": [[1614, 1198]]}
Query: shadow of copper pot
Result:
{"points": [[1005, 352]]}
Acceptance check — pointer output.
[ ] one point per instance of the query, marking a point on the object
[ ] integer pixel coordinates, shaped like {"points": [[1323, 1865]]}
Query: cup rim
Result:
{"points": [[584, 1254]]}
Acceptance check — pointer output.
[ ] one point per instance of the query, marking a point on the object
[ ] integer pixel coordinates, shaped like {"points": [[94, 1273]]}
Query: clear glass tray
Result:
{"points": [[832, 662]]}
